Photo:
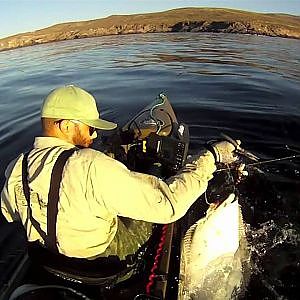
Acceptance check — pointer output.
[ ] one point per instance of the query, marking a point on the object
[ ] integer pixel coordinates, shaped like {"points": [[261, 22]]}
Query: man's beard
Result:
{"points": [[80, 140]]}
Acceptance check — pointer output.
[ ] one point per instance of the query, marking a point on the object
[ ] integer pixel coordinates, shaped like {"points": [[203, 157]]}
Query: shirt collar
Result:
{"points": [[46, 141]]}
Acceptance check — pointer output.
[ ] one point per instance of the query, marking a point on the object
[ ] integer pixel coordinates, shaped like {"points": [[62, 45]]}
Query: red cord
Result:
{"points": [[157, 257]]}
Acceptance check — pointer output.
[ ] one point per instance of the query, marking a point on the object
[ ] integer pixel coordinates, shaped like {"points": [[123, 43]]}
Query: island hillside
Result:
{"points": [[176, 20]]}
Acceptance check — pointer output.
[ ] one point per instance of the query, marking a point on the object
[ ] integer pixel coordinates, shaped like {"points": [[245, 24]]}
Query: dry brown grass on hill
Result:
{"points": [[184, 19], [183, 14]]}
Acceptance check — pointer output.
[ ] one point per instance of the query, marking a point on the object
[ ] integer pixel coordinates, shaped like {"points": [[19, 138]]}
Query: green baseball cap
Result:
{"points": [[71, 102]]}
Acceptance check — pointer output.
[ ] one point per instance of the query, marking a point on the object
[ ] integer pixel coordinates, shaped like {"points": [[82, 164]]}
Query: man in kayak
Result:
{"points": [[72, 198]]}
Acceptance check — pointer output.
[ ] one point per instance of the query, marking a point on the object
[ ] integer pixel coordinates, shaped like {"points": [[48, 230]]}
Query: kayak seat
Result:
{"points": [[105, 271]]}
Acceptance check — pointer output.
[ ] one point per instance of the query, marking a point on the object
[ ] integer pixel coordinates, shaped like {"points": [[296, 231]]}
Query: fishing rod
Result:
{"points": [[253, 157], [264, 162], [241, 171], [240, 168], [273, 160]]}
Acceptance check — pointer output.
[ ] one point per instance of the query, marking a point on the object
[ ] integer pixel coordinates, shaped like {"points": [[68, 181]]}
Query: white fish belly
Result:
{"points": [[211, 265]]}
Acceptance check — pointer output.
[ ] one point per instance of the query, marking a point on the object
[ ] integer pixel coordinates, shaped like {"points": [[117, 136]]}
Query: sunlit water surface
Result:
{"points": [[246, 86]]}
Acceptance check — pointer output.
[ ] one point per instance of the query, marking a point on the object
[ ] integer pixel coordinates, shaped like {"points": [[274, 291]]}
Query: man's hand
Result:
{"points": [[224, 151]]}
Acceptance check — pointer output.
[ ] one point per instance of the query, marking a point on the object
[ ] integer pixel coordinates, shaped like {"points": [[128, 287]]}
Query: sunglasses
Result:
{"points": [[91, 130]]}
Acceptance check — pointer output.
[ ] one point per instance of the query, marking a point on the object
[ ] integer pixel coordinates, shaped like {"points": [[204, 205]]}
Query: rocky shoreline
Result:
{"points": [[178, 20]]}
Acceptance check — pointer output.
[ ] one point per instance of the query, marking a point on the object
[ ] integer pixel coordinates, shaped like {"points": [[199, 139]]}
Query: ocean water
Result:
{"points": [[246, 86]]}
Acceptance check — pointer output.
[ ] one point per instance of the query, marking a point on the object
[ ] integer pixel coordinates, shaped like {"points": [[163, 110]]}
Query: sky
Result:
{"points": [[17, 16]]}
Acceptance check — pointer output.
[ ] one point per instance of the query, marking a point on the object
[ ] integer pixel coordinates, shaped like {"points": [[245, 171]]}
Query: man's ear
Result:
{"points": [[65, 126]]}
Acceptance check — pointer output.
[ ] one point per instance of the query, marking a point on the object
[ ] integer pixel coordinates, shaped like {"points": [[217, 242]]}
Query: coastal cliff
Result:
{"points": [[177, 20]]}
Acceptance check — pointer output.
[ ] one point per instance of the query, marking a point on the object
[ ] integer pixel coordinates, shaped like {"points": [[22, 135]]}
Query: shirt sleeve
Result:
{"points": [[146, 197], [8, 204]]}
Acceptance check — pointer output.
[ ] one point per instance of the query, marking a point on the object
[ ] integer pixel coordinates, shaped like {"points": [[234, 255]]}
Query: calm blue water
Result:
{"points": [[246, 86]]}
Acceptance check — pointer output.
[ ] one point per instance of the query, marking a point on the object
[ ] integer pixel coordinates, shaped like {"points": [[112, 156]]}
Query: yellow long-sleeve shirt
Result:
{"points": [[94, 190]]}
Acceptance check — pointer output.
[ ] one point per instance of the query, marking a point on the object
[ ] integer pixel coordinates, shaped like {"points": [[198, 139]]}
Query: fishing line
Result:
{"points": [[292, 149]]}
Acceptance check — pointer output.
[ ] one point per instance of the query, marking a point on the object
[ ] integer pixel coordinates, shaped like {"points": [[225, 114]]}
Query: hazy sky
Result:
{"points": [[18, 16]]}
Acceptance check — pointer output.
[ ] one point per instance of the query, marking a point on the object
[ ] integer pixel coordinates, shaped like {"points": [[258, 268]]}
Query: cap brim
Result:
{"points": [[100, 124]]}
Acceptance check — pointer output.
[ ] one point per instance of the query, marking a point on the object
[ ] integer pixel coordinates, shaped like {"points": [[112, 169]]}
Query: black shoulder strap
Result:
{"points": [[24, 177], [53, 197], [26, 191]]}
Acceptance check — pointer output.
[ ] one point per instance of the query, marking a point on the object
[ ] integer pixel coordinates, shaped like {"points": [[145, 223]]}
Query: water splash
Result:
{"points": [[275, 257], [270, 235]]}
